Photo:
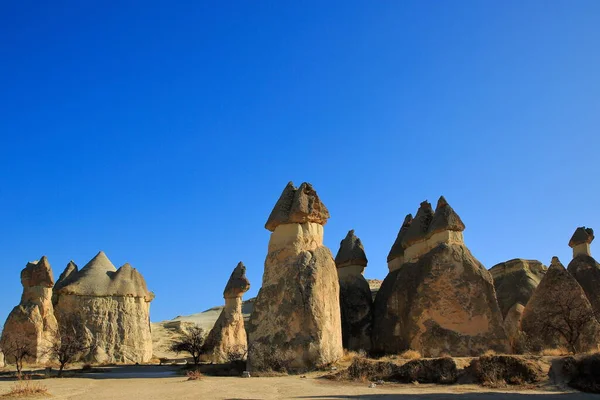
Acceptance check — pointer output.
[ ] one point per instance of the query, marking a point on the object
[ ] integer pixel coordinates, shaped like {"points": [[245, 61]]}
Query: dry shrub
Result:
{"points": [[497, 371], [410, 355], [363, 369], [433, 370], [268, 360], [582, 373], [25, 387], [560, 351], [194, 375], [489, 353], [445, 354]]}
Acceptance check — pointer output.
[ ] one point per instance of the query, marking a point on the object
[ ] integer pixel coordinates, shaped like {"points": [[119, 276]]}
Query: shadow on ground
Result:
{"points": [[465, 396]]}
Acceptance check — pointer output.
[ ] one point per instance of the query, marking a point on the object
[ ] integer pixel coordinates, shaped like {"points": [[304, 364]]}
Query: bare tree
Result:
{"points": [[190, 342], [16, 349], [568, 316], [68, 343]]}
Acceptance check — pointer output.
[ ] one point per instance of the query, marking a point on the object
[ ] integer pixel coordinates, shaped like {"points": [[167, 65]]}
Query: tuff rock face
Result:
{"points": [[559, 302], [228, 334], [356, 302], [584, 267], [440, 299], [112, 306], [515, 281], [32, 322], [296, 316]]}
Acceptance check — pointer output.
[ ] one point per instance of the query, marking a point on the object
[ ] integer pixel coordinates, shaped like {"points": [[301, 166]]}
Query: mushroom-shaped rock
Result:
{"points": [[356, 300], [441, 299], [515, 281], [397, 250], [296, 316], [417, 231], [297, 205], [445, 219], [228, 335], [584, 267], [581, 240], [32, 323], [559, 304], [112, 306], [238, 284]]}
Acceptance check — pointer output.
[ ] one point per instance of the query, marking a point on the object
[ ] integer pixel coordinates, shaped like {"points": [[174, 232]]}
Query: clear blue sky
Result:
{"points": [[164, 132]]}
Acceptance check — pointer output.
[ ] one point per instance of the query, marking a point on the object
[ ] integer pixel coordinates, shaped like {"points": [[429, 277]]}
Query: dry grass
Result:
{"points": [[25, 387], [560, 351], [410, 355], [489, 353], [194, 375]]}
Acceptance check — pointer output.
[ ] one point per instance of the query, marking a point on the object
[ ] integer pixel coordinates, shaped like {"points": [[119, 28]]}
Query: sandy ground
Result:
{"points": [[162, 383]]}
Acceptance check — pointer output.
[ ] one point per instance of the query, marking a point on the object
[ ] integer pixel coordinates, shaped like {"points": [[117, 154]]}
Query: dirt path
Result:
{"points": [[158, 383]]}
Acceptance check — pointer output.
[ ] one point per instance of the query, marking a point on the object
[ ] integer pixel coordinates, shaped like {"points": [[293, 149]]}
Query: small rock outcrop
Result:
{"points": [[228, 335], [439, 299], [356, 302], [559, 313], [584, 267], [515, 281], [296, 316], [111, 306], [32, 323]]}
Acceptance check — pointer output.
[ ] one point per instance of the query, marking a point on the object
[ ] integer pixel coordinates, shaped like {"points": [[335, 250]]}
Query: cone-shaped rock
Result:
{"points": [[32, 322], [112, 307], [356, 301], [297, 205], [397, 250], [296, 316], [228, 335], [584, 267], [559, 304], [515, 281], [441, 299]]}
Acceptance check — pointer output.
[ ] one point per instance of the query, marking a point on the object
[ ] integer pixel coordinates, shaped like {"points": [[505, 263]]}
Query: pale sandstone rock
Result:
{"points": [[356, 301], [228, 334], [395, 257], [584, 267], [32, 322], [441, 299], [559, 299], [296, 315], [515, 281], [113, 307]]}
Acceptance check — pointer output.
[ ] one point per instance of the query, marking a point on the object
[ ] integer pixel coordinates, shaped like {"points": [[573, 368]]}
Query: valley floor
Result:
{"points": [[164, 383]]}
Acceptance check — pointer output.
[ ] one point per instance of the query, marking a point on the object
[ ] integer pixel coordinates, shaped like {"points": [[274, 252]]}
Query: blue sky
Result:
{"points": [[164, 132]]}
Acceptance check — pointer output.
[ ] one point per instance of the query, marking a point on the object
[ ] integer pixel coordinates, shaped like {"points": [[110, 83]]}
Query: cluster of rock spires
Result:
{"points": [[437, 297], [111, 308]]}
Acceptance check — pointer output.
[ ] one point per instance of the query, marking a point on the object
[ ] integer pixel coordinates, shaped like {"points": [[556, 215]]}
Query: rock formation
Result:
{"points": [[559, 304], [296, 316], [32, 323], [112, 307], [584, 267], [356, 302], [515, 281], [228, 334], [440, 299]]}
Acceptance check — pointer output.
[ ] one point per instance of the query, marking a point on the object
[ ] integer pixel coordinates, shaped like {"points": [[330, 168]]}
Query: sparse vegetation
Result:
{"points": [[190, 342], [237, 353], [497, 371], [560, 351], [410, 355], [25, 387], [194, 375], [270, 360]]}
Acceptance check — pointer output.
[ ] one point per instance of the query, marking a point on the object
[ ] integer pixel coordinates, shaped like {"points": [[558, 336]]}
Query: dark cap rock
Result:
{"points": [[397, 249], [581, 235], [419, 227], [237, 284], [297, 205], [445, 218], [351, 252]]}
